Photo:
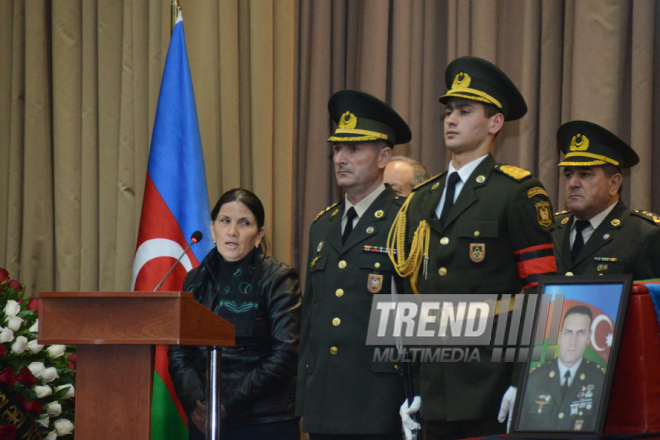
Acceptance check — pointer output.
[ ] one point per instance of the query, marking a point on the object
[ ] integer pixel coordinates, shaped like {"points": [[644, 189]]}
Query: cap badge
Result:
{"points": [[579, 143], [461, 81], [348, 120]]}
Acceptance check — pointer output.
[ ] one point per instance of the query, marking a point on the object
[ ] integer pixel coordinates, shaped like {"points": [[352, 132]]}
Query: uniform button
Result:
{"points": [[377, 265], [333, 350], [396, 367], [442, 271], [336, 322], [444, 241], [561, 415], [307, 366], [569, 274], [476, 233], [339, 293], [342, 264]]}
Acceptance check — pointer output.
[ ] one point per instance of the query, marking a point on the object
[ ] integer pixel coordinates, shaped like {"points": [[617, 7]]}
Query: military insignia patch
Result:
{"points": [[563, 222], [370, 230], [348, 120], [616, 222], [375, 283], [579, 143], [578, 425], [481, 179], [536, 191], [379, 213], [543, 214], [477, 252], [461, 81]]}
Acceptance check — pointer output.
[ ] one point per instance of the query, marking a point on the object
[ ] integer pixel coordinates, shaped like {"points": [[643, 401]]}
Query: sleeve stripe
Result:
{"points": [[532, 255], [534, 248], [535, 267]]}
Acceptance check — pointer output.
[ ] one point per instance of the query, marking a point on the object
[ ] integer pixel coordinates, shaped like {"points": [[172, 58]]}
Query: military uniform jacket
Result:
{"points": [[632, 238], [544, 409], [340, 389], [496, 241]]}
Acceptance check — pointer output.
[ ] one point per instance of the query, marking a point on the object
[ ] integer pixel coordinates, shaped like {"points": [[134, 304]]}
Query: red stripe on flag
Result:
{"points": [[533, 248], [161, 366]]}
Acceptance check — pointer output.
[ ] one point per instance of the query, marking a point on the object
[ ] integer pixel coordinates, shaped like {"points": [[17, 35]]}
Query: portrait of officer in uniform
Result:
{"points": [[598, 235], [341, 392], [479, 227], [565, 394]]}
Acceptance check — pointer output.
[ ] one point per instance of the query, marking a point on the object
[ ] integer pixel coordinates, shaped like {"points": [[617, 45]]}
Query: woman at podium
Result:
{"points": [[261, 297]]}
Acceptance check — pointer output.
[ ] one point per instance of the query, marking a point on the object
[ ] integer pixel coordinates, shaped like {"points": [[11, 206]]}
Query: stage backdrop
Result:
{"points": [[79, 85]]}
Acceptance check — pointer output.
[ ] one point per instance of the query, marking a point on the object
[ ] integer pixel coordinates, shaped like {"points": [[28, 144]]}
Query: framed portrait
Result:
{"points": [[570, 368]]}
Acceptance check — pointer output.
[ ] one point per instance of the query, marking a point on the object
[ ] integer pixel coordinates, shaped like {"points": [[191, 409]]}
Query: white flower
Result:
{"points": [[14, 322], [63, 427], [42, 391], [52, 435], [54, 409], [12, 308], [6, 335], [69, 393], [19, 345], [34, 346], [44, 421], [56, 351], [35, 326], [36, 368], [49, 375]]}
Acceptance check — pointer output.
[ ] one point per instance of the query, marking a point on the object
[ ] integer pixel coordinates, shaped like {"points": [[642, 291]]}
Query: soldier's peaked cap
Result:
{"points": [[479, 80], [361, 117], [587, 144]]}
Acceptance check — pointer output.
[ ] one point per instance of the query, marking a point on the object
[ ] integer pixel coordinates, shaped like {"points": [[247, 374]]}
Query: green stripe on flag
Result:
{"points": [[166, 424]]}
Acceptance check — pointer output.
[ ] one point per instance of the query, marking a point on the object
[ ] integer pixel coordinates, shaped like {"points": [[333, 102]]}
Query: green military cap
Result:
{"points": [[586, 144], [477, 79], [361, 117]]}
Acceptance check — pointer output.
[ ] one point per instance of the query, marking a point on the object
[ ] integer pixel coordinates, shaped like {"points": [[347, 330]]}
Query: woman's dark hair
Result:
{"points": [[247, 198]]}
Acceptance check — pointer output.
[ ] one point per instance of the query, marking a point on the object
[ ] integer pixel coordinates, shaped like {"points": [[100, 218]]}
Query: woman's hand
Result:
{"points": [[198, 416]]}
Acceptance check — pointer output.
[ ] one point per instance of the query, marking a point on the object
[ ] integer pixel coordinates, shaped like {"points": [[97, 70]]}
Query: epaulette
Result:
{"points": [[562, 213], [325, 210], [429, 181], [653, 218], [513, 172]]}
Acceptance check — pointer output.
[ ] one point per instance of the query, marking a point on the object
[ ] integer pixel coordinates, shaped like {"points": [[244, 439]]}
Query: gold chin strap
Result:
{"points": [[396, 239]]}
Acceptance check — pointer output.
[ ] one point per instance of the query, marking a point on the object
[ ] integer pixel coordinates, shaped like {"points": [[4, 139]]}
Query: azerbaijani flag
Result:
{"points": [[175, 205]]}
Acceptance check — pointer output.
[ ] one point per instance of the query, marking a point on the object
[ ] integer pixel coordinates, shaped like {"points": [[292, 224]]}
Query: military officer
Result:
{"points": [[342, 393], [565, 394], [612, 239], [488, 231]]}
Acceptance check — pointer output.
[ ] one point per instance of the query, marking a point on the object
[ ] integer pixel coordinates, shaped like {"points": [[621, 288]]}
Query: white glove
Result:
{"points": [[409, 425], [508, 400]]}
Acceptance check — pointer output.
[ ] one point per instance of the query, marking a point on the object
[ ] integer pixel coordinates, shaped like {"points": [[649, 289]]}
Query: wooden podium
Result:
{"points": [[116, 334]]}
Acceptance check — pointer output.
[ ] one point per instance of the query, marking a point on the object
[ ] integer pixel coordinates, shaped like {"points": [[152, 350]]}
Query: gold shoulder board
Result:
{"points": [[514, 172]]}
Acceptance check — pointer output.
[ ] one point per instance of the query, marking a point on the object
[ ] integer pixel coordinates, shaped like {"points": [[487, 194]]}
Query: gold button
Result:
{"points": [[569, 274], [561, 415], [444, 241], [476, 233], [342, 264], [336, 322], [339, 293], [396, 367], [307, 366], [333, 350], [377, 265], [442, 271]]}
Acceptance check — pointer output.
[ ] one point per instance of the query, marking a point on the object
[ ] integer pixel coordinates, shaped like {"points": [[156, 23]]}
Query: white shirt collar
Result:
{"points": [[573, 370], [466, 170], [364, 204]]}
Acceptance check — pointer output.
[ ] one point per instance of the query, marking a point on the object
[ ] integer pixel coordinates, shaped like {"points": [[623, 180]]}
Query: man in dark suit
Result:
{"points": [[342, 394], [598, 235], [481, 227], [565, 394]]}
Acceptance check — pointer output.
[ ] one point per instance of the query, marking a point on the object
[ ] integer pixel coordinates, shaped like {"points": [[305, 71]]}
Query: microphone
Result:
{"points": [[196, 237]]}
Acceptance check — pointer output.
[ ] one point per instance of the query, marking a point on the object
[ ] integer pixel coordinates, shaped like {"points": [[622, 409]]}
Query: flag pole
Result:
{"points": [[175, 13]]}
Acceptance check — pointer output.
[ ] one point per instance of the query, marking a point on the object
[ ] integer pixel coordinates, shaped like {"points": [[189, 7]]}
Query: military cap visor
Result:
{"points": [[361, 117], [478, 80], [587, 144]]}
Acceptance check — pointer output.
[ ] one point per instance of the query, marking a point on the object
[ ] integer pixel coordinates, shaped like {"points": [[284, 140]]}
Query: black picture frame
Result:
{"points": [[542, 409]]}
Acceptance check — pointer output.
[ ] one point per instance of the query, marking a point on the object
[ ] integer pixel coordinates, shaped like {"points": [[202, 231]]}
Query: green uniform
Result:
{"points": [[340, 389], [624, 242], [496, 240], [543, 407]]}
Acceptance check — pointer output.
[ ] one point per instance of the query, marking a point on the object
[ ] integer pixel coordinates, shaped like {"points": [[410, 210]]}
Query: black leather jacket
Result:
{"points": [[258, 374]]}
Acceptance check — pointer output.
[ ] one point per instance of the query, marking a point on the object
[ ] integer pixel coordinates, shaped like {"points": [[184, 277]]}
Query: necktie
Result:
{"points": [[449, 197], [564, 387], [350, 215], [578, 244]]}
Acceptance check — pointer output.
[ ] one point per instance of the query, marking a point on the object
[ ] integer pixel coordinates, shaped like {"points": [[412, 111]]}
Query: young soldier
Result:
{"points": [[488, 231]]}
